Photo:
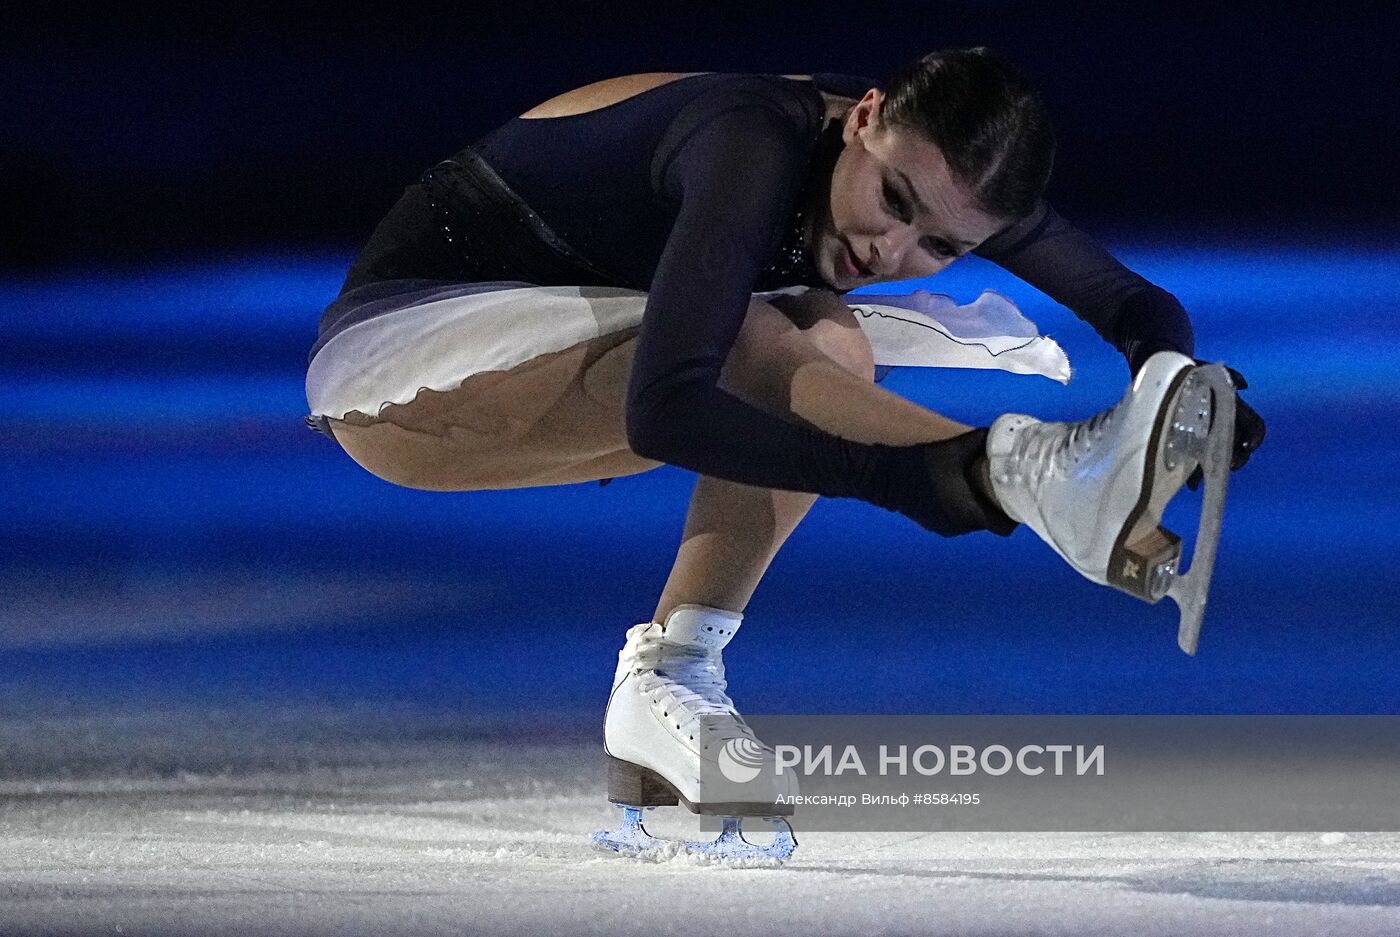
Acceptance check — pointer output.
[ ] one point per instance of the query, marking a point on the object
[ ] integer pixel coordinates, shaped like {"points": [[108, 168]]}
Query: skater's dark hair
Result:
{"points": [[985, 117]]}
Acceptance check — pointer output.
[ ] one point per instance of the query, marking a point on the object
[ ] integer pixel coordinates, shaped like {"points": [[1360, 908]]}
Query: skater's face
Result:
{"points": [[895, 205]]}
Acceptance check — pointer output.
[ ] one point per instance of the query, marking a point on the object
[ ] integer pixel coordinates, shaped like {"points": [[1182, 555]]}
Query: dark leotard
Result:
{"points": [[697, 192]]}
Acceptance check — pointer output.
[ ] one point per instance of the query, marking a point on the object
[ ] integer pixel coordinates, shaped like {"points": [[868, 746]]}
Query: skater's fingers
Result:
{"points": [[1249, 429], [1249, 433]]}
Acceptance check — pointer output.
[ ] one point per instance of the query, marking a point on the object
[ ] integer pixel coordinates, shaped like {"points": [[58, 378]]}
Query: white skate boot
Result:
{"points": [[1095, 490], [673, 736]]}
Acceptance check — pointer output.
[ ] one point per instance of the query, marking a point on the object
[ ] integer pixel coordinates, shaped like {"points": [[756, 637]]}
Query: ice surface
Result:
{"points": [[366, 819], [247, 688]]}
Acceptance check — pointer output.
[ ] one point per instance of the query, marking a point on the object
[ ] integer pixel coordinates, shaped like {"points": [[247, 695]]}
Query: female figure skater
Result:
{"points": [[573, 298]]}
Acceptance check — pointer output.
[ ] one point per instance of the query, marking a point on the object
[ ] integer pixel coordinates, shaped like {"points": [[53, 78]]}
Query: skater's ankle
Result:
{"points": [[670, 604], [981, 478], [954, 496]]}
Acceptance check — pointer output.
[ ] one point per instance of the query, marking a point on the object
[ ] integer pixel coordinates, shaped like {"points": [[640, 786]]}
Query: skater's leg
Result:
{"points": [[560, 418], [544, 422], [810, 362]]}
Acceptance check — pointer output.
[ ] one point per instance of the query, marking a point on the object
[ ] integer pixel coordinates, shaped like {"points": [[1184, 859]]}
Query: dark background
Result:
{"points": [[133, 130]]}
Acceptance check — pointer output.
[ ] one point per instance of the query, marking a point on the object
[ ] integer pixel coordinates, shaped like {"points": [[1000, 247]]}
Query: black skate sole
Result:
{"points": [[634, 786]]}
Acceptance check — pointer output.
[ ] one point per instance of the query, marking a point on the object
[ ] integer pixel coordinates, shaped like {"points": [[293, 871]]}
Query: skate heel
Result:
{"points": [[636, 786], [1146, 555], [1142, 565], [1147, 562]]}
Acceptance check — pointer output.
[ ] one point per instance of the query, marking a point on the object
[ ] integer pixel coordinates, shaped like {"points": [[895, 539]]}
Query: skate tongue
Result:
{"points": [[700, 626]]}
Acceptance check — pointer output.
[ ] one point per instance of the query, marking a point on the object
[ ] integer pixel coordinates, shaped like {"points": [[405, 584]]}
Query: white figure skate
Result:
{"points": [[1095, 490], [672, 736]]}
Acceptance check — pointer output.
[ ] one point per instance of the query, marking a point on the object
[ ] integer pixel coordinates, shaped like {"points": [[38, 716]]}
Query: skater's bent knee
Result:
{"points": [[780, 337], [821, 322], [845, 345]]}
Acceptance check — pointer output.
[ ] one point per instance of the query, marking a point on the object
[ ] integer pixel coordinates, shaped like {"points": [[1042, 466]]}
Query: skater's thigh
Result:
{"points": [[784, 335], [560, 416], [476, 385], [534, 424]]}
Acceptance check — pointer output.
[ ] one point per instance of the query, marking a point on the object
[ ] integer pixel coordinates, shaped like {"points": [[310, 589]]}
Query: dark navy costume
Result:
{"points": [[697, 192]]}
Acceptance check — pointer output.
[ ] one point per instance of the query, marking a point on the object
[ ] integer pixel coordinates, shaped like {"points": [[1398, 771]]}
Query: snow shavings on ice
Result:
{"points": [[388, 821]]}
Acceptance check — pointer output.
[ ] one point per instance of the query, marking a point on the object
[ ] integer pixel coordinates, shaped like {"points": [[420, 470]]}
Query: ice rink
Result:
{"points": [[248, 689], [370, 820]]}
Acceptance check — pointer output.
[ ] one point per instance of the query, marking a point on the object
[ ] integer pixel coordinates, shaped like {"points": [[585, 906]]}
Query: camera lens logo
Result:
{"points": [[741, 759]]}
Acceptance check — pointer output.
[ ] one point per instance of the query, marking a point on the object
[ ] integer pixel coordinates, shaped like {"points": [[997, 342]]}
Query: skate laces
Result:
{"points": [[693, 678], [1051, 450]]}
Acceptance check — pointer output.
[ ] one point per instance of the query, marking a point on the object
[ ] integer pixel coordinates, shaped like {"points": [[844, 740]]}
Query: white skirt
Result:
{"points": [[445, 337]]}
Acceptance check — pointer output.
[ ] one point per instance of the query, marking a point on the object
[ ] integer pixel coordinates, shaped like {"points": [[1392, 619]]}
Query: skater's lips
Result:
{"points": [[862, 268], [854, 260]]}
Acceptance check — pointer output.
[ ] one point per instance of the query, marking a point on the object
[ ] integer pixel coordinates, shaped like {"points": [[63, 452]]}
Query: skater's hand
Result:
{"points": [[1249, 429]]}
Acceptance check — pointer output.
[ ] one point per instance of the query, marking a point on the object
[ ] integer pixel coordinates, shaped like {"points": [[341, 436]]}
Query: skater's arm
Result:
{"points": [[1134, 315], [735, 174]]}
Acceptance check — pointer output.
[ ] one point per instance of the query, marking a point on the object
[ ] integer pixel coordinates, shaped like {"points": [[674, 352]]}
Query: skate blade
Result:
{"points": [[1189, 589], [1196, 429], [632, 839]]}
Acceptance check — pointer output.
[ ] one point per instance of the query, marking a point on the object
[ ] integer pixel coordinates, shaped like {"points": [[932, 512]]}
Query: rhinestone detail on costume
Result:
{"points": [[792, 263]]}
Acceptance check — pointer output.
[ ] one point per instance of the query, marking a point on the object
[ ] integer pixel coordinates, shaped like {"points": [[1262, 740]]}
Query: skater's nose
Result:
{"points": [[898, 250]]}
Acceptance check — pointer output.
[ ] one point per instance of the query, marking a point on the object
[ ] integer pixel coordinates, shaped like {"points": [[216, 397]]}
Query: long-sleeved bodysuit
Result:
{"points": [[698, 192]]}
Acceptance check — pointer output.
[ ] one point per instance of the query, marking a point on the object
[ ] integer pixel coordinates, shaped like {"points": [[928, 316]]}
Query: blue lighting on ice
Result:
{"points": [[171, 529]]}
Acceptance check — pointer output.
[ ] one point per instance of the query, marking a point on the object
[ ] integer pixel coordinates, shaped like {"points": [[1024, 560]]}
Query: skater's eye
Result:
{"points": [[900, 209], [894, 202]]}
